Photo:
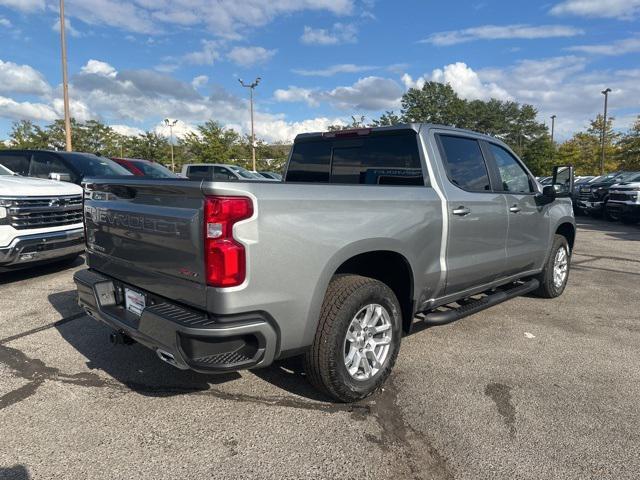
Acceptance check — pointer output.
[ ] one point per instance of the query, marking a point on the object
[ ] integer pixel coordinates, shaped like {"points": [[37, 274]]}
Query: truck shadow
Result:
{"points": [[9, 276], [139, 369]]}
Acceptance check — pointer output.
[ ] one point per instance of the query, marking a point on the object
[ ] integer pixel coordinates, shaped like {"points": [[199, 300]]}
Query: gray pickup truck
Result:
{"points": [[372, 231]]}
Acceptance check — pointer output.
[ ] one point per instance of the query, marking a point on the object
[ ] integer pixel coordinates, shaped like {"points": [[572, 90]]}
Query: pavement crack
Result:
{"points": [[501, 395]]}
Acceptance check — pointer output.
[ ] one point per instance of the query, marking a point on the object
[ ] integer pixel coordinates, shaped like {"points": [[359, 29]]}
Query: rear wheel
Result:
{"points": [[357, 340], [553, 278]]}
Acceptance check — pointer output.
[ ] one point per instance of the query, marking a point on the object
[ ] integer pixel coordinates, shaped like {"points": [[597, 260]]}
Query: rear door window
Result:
{"points": [[16, 162], [465, 164]]}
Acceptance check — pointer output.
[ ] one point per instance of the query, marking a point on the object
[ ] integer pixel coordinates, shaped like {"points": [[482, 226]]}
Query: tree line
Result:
{"points": [[516, 124], [209, 143]]}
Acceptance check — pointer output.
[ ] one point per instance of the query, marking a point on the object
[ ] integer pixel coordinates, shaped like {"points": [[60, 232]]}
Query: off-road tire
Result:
{"points": [[324, 362], [547, 288]]}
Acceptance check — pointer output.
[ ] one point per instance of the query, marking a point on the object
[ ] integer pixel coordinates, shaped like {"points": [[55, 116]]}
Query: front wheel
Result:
{"points": [[357, 340], [555, 274]]}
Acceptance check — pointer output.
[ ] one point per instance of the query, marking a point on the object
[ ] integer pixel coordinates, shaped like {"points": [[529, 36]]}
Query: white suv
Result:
{"points": [[40, 220]]}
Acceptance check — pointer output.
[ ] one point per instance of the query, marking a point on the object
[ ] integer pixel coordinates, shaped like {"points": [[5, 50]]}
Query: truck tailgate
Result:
{"points": [[149, 234]]}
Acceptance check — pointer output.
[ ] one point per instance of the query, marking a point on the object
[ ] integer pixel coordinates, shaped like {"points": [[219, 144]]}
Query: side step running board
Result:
{"points": [[439, 317]]}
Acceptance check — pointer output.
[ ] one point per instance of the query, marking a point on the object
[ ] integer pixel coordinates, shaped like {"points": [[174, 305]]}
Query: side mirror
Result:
{"points": [[60, 177], [563, 181]]}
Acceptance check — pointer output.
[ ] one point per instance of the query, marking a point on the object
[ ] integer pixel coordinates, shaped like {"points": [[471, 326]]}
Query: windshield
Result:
{"points": [[153, 170], [93, 166], [244, 173], [5, 171]]}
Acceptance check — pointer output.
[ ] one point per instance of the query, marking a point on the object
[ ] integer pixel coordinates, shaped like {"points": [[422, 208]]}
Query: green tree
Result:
{"points": [[26, 134], [148, 146], [582, 151], [628, 154], [433, 103], [212, 143], [388, 118]]}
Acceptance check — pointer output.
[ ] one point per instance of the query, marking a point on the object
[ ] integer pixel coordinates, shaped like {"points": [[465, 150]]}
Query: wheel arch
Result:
{"points": [[568, 231], [373, 258]]}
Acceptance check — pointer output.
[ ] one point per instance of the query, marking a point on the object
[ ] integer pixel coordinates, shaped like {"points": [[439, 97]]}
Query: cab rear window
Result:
{"points": [[385, 158]]}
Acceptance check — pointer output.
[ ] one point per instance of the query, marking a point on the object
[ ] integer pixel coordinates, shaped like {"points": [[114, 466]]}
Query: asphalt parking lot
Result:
{"points": [[531, 388]]}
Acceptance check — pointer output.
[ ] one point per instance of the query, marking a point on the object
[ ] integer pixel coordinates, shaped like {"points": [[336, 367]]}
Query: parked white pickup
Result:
{"points": [[40, 220]]}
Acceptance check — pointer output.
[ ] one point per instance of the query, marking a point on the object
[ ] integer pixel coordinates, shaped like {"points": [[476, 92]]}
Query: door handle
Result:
{"points": [[461, 211], [514, 209]]}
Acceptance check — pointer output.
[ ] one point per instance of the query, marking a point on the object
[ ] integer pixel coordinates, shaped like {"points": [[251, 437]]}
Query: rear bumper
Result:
{"points": [[183, 337], [40, 247]]}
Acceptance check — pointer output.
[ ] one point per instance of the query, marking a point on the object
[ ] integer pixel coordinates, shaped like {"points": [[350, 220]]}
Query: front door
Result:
{"points": [[528, 234], [477, 216]]}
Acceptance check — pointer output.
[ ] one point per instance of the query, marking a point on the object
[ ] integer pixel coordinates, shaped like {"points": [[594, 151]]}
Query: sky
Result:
{"points": [[134, 63]]}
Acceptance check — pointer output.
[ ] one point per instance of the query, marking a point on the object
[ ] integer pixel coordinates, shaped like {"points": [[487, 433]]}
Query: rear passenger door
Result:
{"points": [[477, 236], [528, 233]]}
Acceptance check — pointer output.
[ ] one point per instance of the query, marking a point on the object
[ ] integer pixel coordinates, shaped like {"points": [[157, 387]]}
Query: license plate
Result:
{"points": [[134, 301]]}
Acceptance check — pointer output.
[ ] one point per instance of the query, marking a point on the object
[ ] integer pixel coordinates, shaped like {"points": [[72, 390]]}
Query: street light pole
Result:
{"points": [[65, 82], [604, 128], [171, 124], [251, 87], [553, 129]]}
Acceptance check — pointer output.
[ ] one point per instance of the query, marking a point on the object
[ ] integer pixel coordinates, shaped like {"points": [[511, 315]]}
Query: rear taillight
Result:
{"points": [[225, 259]]}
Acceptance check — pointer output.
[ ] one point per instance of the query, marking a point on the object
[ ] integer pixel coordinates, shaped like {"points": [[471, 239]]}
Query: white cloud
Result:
{"points": [[70, 29], [24, 5], [335, 69], [501, 32], [249, 56], [99, 68], [467, 83], [283, 131], [206, 56], [296, 94], [369, 93], [224, 18], [79, 110], [620, 9], [126, 130], [620, 47], [5, 23], [338, 34], [14, 110], [180, 129], [25, 79], [199, 81], [463, 79]]}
